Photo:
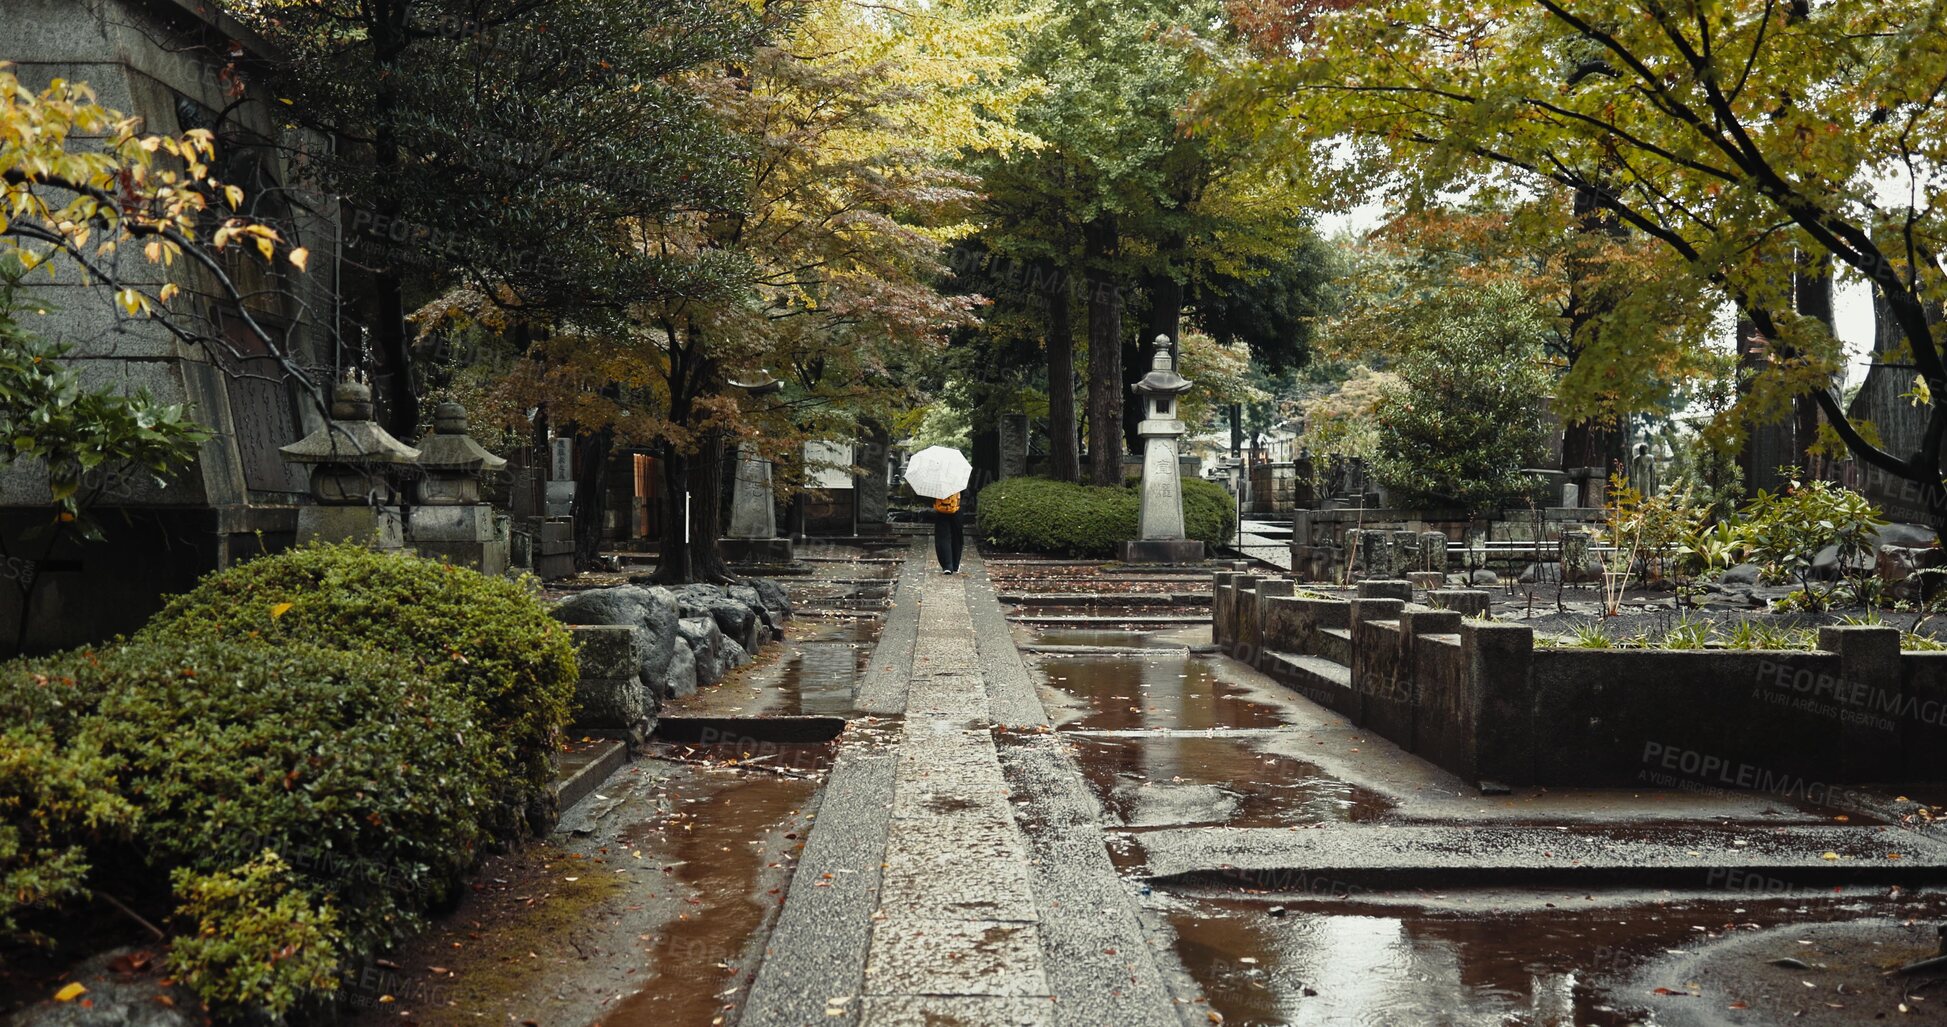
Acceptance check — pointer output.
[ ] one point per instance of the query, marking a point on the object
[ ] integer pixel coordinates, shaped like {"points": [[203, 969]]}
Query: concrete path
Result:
{"points": [[919, 899]]}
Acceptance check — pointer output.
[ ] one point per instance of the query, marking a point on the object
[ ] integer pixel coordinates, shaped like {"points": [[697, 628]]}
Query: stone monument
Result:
{"points": [[452, 522], [352, 462], [753, 537], [1643, 473], [1160, 524]]}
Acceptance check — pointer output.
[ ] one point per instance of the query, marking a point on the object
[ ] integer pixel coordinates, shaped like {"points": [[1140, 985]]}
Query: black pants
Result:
{"points": [[947, 540]]}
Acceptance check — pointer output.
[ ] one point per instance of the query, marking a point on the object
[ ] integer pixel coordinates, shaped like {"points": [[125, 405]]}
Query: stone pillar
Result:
{"points": [[1160, 523], [870, 453], [1433, 551]]}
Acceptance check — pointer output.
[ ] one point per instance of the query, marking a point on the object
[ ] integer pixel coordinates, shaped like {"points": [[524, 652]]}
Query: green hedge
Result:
{"points": [[290, 810], [1037, 515], [487, 639]]}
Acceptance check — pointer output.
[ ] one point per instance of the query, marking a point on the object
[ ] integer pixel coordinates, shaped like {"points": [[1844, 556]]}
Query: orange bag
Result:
{"points": [[949, 505]]}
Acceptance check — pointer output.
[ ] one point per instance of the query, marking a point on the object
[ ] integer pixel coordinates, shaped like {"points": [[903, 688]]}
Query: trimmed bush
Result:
{"points": [[360, 782], [485, 638], [1037, 515]]}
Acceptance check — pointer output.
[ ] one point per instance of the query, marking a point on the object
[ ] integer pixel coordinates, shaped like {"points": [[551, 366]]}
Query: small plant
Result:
{"points": [[1913, 641], [1688, 634], [1590, 636], [1788, 529]]}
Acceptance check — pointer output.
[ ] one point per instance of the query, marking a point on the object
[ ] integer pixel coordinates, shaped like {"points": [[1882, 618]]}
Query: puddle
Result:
{"points": [[725, 856], [1124, 693], [1043, 635], [1173, 781], [1546, 968]]}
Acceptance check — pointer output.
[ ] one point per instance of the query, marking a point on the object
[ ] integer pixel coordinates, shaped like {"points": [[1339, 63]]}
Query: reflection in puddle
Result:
{"points": [[821, 674], [1170, 780], [1305, 969], [1144, 692], [1040, 635], [722, 852]]}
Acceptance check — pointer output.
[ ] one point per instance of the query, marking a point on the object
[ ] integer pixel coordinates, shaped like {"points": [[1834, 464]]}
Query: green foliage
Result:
{"points": [[365, 779], [259, 941], [1042, 516], [1786, 530], [54, 801], [1463, 420], [78, 433], [484, 639]]}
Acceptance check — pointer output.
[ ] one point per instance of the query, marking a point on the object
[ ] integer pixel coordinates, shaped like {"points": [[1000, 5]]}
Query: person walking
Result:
{"points": [[947, 540]]}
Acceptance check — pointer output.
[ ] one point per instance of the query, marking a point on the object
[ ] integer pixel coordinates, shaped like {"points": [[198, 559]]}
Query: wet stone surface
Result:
{"points": [[1586, 960], [1171, 691], [1177, 780]]}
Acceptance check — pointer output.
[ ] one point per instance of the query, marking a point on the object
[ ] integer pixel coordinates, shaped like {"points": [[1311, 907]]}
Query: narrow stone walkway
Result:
{"points": [[956, 933], [919, 899]]}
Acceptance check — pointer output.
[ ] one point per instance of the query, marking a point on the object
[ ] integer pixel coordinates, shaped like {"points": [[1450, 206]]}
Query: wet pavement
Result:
{"points": [[1052, 804]]}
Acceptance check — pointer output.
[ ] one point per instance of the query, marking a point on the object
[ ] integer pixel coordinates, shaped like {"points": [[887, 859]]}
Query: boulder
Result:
{"points": [[1826, 564], [1909, 536], [774, 597], [1743, 574], [1548, 571], [1897, 563], [651, 611], [682, 672], [771, 622], [1484, 577], [736, 620], [705, 641]]}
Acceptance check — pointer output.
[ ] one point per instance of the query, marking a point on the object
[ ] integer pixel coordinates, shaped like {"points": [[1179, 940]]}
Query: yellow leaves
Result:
{"points": [[1921, 394], [234, 195], [299, 257], [71, 991], [169, 292], [280, 610]]}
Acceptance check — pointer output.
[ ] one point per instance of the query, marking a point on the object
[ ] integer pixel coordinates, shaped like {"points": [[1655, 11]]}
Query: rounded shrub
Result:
{"points": [[305, 805], [1038, 515], [487, 639]]}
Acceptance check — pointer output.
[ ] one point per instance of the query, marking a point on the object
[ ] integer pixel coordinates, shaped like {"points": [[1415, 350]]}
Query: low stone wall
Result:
{"points": [[1479, 699], [638, 646]]}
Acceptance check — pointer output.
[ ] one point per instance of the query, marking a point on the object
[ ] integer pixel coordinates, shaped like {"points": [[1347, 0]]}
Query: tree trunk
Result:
{"points": [[707, 483], [693, 482], [1064, 456], [1812, 295], [1099, 246], [591, 494]]}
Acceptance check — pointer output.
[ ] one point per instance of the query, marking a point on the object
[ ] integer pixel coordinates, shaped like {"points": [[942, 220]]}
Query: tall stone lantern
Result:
{"points": [[452, 521], [354, 465], [753, 537], [1160, 525]]}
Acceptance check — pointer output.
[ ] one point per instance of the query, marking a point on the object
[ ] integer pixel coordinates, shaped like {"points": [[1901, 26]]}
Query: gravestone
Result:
{"points": [[753, 536]]}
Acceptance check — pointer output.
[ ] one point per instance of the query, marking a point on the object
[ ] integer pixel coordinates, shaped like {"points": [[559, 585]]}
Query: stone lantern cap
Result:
{"points": [[1162, 379], [449, 448], [350, 436]]}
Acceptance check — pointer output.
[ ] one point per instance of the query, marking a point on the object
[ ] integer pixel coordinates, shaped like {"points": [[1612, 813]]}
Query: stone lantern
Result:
{"points": [[451, 463], [353, 462], [1160, 524], [753, 537], [452, 522]]}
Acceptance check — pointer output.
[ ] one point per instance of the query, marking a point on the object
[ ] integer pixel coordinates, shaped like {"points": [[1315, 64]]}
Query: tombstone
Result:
{"points": [[1013, 431], [1575, 555], [875, 487], [753, 536], [452, 522], [1433, 551], [1160, 520], [353, 462]]}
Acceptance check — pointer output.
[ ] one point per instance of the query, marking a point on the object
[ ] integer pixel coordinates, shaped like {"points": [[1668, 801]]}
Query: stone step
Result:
{"points": [[1345, 857], [1337, 644], [1308, 671], [1106, 598], [1133, 618]]}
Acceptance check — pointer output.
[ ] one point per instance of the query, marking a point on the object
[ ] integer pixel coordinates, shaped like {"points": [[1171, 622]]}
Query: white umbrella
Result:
{"points": [[937, 472]]}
